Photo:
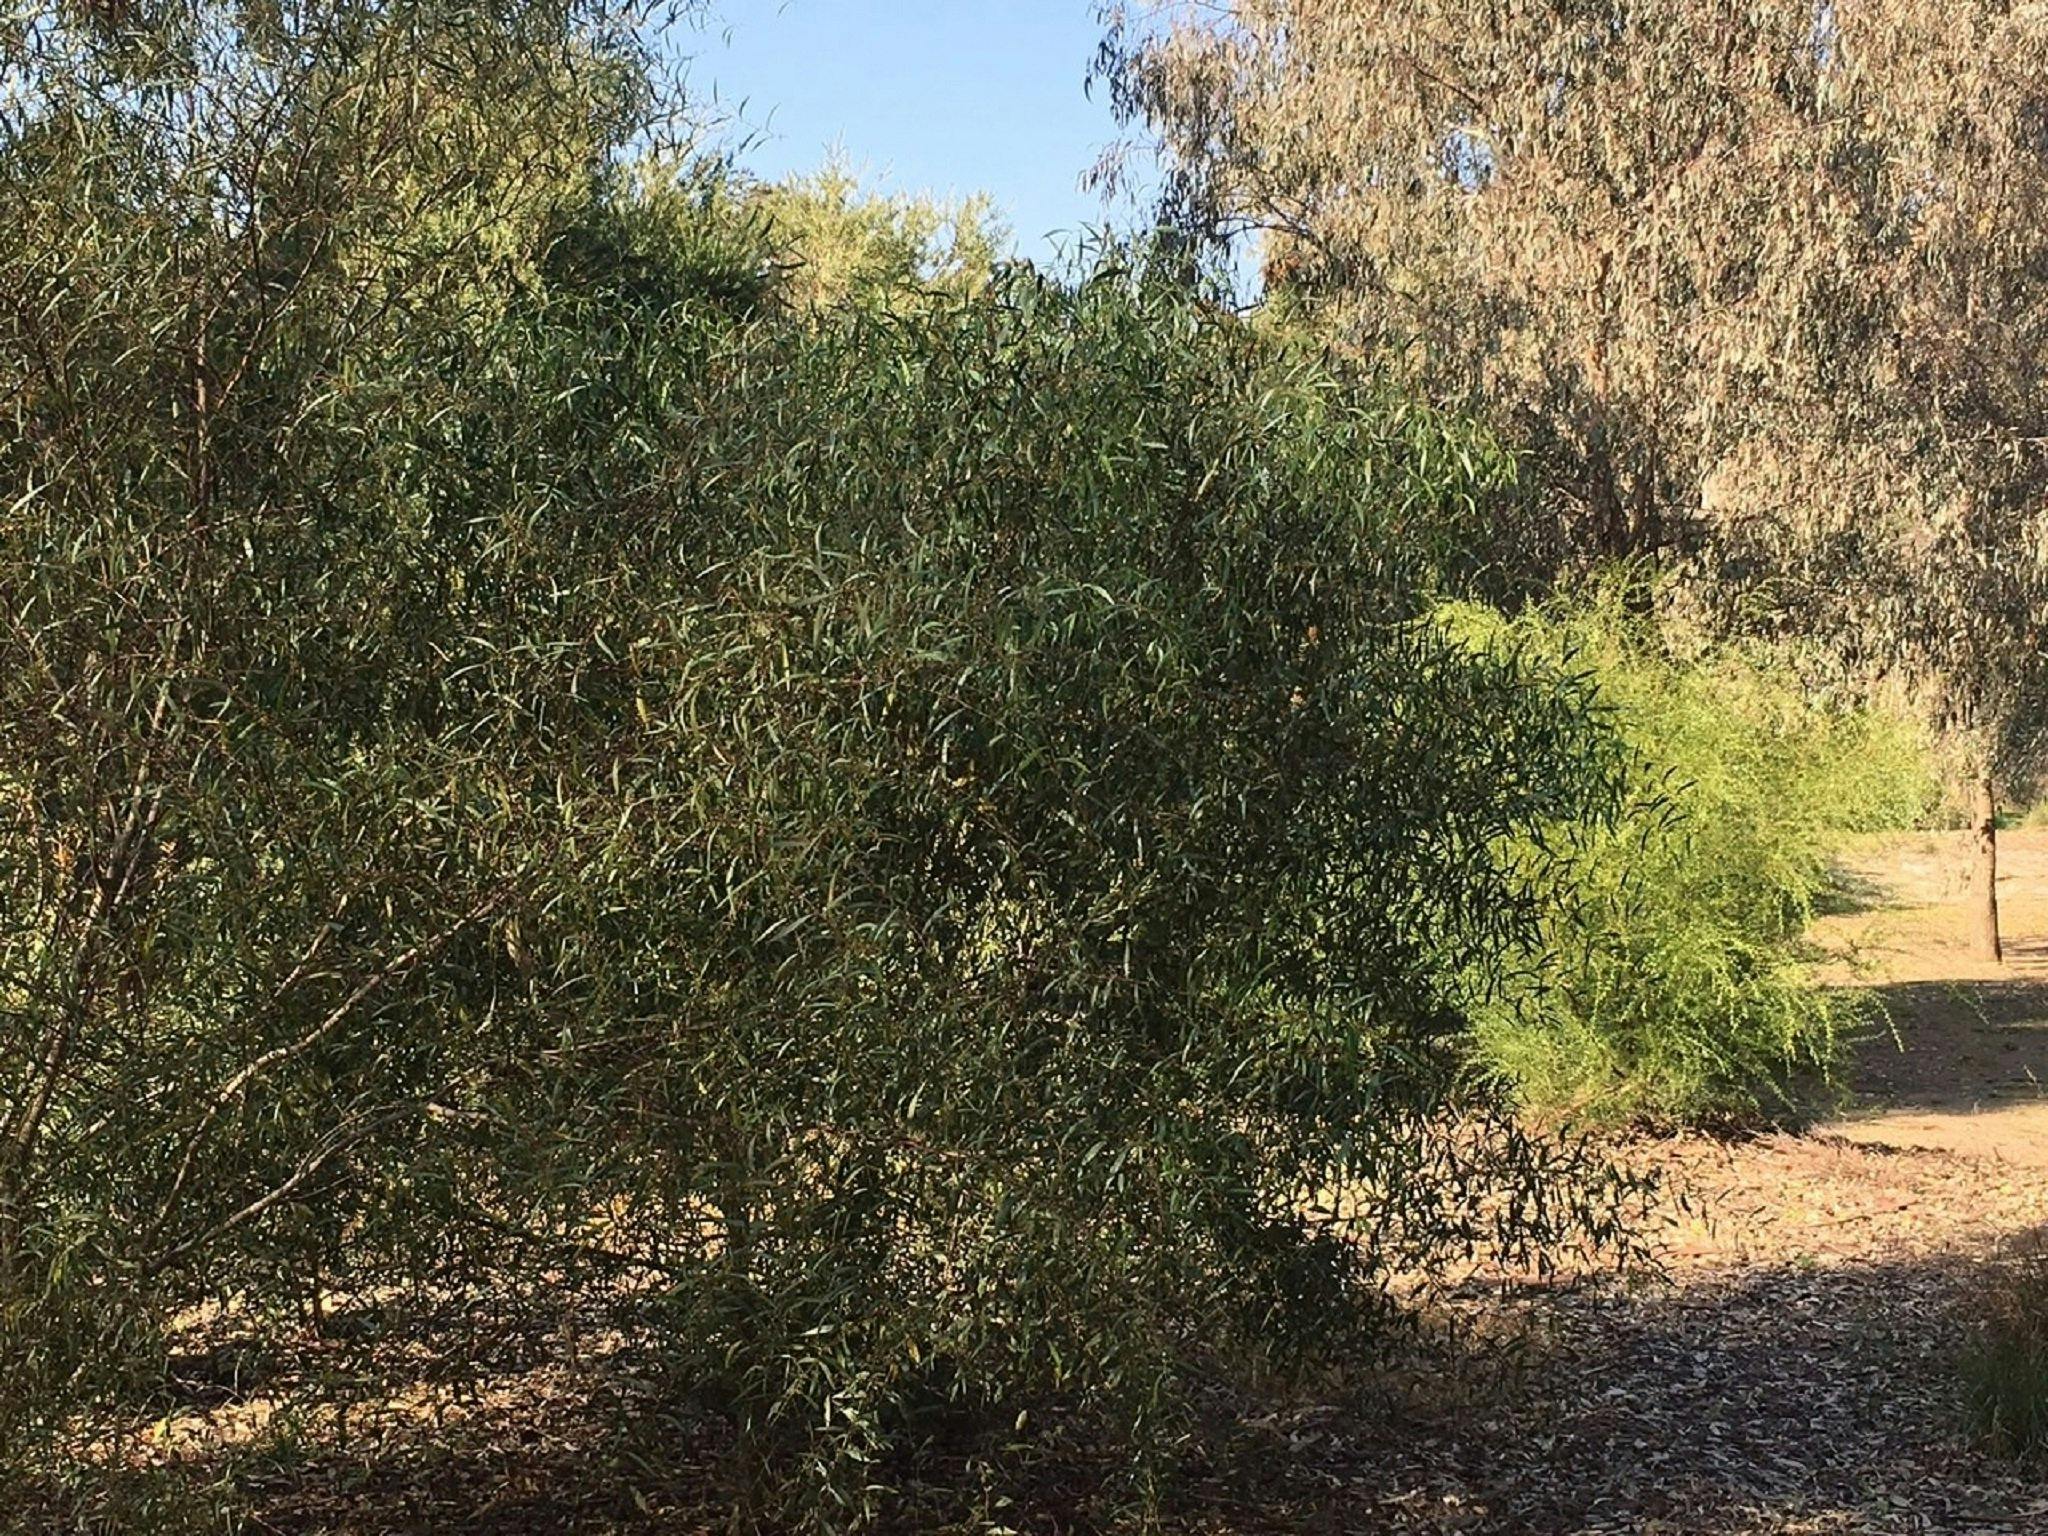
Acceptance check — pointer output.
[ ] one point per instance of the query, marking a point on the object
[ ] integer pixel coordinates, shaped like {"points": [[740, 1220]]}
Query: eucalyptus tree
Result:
{"points": [[1898, 500], [1887, 491], [1753, 286], [1569, 215]]}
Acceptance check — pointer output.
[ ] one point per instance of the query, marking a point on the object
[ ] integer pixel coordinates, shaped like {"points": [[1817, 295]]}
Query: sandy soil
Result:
{"points": [[1965, 1066]]}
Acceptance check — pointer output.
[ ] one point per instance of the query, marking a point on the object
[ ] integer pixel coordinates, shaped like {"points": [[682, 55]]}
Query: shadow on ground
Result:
{"points": [[1852, 892], [1781, 1400], [1957, 1046], [1763, 1402]]}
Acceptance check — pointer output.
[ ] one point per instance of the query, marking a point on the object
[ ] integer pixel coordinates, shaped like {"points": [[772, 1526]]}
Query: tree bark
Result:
{"points": [[1985, 897]]}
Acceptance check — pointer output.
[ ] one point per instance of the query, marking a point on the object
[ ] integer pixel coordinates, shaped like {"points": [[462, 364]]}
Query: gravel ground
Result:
{"points": [[1792, 1373]]}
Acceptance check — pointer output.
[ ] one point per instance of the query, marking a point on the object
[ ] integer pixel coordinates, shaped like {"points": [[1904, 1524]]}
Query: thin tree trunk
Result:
{"points": [[1985, 897]]}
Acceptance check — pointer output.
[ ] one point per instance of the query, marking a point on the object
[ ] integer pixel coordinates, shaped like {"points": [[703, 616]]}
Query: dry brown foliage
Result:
{"points": [[1759, 283]]}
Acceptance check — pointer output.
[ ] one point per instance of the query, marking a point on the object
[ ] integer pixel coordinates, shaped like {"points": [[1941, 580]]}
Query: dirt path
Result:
{"points": [[1968, 1072], [1793, 1373]]}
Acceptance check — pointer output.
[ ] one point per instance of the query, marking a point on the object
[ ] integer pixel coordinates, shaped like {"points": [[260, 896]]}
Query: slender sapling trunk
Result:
{"points": [[1985, 897]]}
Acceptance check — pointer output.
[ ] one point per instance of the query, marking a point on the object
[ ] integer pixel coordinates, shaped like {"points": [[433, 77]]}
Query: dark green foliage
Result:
{"points": [[678, 238], [923, 849], [1671, 979]]}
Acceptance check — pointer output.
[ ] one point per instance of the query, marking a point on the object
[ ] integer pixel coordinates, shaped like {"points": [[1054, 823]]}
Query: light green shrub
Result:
{"points": [[1671, 981]]}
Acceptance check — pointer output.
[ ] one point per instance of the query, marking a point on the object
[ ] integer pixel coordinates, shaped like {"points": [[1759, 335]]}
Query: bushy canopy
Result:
{"points": [[916, 851]]}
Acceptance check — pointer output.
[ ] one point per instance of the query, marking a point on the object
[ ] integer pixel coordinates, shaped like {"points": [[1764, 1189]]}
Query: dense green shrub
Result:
{"points": [[1670, 981], [940, 833], [916, 850]]}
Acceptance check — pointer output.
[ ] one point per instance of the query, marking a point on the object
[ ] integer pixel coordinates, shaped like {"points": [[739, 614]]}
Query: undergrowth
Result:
{"points": [[2005, 1368]]}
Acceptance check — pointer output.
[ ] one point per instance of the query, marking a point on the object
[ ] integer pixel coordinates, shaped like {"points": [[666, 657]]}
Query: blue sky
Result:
{"points": [[941, 96]]}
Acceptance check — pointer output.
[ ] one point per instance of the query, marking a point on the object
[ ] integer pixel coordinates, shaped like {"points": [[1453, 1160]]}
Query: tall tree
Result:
{"points": [[1893, 493], [1568, 214], [1757, 287]]}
